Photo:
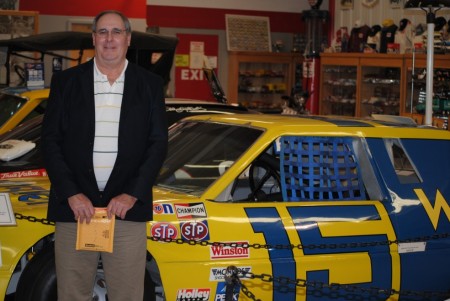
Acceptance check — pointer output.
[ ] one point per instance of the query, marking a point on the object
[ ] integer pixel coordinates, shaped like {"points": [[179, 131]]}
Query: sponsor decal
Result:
{"points": [[163, 209], [164, 230], [185, 109], [193, 294], [218, 274], [194, 230], [23, 174], [221, 289], [190, 211], [220, 251]]}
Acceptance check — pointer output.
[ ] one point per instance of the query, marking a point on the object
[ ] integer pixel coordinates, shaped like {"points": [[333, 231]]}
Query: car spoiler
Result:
{"points": [[143, 46]]}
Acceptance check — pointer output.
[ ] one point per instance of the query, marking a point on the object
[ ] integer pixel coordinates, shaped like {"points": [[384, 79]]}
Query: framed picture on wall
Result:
{"points": [[396, 3], [346, 4], [248, 33], [14, 23]]}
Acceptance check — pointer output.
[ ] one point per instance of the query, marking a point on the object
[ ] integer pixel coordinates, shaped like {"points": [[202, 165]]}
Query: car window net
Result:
{"points": [[319, 168]]}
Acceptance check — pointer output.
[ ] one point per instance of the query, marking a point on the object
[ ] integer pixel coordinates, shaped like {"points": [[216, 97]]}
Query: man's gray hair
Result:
{"points": [[125, 20]]}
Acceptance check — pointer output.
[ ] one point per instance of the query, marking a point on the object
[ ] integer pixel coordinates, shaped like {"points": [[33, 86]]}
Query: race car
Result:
{"points": [[19, 104], [273, 208]]}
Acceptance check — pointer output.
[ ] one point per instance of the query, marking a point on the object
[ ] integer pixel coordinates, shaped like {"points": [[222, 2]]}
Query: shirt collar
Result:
{"points": [[98, 73]]}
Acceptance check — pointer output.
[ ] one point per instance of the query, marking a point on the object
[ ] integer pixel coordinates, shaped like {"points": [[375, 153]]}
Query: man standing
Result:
{"points": [[104, 139]]}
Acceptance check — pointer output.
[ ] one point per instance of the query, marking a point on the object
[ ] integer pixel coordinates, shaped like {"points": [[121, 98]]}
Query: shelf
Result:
{"points": [[338, 90], [360, 84], [384, 84], [258, 80], [416, 85]]}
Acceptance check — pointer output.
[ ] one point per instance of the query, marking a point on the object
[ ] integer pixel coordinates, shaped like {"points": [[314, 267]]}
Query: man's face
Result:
{"points": [[111, 41]]}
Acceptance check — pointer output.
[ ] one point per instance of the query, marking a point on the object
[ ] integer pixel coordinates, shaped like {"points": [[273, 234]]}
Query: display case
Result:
{"points": [[338, 92], [381, 82], [415, 74], [259, 80], [360, 84]]}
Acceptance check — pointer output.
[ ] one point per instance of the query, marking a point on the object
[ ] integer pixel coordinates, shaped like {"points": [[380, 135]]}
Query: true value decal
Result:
{"points": [[24, 174]]}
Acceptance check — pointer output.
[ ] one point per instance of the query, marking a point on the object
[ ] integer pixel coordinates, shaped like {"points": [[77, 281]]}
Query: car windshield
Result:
{"points": [[9, 105], [200, 152]]}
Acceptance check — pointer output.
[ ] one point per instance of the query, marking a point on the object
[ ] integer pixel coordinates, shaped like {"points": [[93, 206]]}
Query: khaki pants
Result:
{"points": [[124, 268]]}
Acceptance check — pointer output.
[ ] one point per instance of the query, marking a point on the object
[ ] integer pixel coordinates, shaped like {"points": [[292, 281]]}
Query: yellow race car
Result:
{"points": [[268, 207], [19, 104]]}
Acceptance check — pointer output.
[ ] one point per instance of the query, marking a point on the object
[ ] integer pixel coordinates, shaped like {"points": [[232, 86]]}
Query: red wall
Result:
{"points": [[131, 8], [166, 16], [163, 16], [208, 18]]}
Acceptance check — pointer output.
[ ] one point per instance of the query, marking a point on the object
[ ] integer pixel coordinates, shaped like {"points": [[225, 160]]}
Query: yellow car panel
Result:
{"points": [[33, 99]]}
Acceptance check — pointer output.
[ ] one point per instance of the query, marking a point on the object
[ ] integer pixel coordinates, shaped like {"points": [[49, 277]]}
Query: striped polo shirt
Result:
{"points": [[108, 101]]}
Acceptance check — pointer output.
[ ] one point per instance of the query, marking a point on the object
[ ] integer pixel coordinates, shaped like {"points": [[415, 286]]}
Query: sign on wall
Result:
{"points": [[192, 51]]}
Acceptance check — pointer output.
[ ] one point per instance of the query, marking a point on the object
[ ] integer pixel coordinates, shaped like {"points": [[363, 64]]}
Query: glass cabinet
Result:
{"points": [[361, 84], [339, 90], [380, 90], [416, 85], [259, 80]]}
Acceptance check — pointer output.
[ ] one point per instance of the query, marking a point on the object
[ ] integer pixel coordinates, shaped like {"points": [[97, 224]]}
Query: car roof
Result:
{"points": [[141, 48], [40, 93], [328, 125], [44, 92], [176, 108]]}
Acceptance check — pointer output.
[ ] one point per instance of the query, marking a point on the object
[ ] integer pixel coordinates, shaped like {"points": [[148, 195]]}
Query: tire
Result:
{"points": [[38, 279]]}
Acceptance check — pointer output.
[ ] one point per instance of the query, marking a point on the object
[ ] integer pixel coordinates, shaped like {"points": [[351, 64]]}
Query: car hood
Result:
{"points": [[162, 196], [29, 190]]}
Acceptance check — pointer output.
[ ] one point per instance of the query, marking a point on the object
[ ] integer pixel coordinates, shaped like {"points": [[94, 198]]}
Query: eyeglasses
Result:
{"points": [[115, 32]]}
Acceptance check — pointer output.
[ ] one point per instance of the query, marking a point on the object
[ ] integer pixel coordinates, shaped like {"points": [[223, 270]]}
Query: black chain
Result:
{"points": [[333, 288], [284, 281], [266, 246], [34, 219], [350, 245]]}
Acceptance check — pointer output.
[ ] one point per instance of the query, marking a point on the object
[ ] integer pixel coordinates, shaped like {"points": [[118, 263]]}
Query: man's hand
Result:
{"points": [[120, 205], [81, 207]]}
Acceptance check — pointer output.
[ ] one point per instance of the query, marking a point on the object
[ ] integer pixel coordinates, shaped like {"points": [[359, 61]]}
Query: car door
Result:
{"points": [[416, 173], [308, 210]]}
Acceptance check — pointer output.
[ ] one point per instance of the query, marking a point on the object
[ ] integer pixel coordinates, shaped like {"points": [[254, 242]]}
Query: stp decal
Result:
{"points": [[194, 230], [164, 230]]}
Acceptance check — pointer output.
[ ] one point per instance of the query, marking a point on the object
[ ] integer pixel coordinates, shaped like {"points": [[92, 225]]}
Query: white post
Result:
{"points": [[430, 72]]}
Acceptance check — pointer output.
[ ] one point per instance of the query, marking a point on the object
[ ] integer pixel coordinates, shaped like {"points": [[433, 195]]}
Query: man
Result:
{"points": [[104, 139]]}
